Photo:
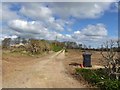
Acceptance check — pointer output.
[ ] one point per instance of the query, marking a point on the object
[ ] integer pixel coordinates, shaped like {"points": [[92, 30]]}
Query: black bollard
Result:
{"points": [[87, 59]]}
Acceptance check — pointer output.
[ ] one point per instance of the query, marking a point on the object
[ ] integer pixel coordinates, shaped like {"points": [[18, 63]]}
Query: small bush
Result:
{"points": [[99, 78], [56, 48], [110, 85], [66, 50]]}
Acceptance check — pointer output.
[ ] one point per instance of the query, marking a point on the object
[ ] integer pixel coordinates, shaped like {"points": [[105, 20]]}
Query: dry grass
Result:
{"points": [[75, 57], [12, 60]]}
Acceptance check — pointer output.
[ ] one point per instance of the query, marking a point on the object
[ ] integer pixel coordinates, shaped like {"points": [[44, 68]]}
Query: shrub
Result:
{"points": [[99, 78], [66, 50], [38, 46], [110, 85], [56, 48]]}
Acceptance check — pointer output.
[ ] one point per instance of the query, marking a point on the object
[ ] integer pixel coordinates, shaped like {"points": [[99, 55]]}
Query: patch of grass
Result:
{"points": [[99, 78], [56, 48], [109, 84], [18, 53]]}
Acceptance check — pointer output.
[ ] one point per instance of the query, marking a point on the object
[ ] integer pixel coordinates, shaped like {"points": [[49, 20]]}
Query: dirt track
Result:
{"points": [[45, 72]]}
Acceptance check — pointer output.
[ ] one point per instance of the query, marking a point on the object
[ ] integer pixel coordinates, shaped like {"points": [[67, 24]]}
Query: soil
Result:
{"points": [[54, 70], [73, 59], [42, 72]]}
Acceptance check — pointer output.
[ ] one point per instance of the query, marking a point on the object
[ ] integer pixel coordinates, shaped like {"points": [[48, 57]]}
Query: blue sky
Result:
{"points": [[90, 23], [110, 19]]}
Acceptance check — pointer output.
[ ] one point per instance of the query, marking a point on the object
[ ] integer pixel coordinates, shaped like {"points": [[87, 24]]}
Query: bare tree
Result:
{"points": [[6, 43], [110, 57], [38, 46], [34, 46], [24, 41], [18, 40]]}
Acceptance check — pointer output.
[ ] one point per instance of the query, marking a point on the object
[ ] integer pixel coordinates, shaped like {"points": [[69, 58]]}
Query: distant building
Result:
{"points": [[17, 45]]}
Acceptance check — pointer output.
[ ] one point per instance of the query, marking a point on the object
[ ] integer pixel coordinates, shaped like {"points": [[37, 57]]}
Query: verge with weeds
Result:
{"points": [[98, 78]]}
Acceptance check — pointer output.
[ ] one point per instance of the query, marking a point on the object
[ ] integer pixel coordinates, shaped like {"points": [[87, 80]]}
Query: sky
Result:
{"points": [[90, 23]]}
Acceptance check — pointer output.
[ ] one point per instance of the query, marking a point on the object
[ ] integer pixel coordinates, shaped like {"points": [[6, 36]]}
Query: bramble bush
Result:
{"points": [[56, 48], [99, 78]]}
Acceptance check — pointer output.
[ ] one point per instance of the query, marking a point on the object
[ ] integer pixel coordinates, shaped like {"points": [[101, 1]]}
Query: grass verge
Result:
{"points": [[98, 78]]}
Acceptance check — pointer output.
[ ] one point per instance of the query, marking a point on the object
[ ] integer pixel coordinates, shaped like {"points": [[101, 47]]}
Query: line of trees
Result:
{"points": [[34, 46], [6, 43]]}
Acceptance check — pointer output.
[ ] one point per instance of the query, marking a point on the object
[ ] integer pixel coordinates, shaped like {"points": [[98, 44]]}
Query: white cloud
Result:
{"points": [[77, 32], [36, 11], [91, 34], [27, 27], [7, 14], [48, 20], [80, 9], [39, 12], [33, 29], [6, 36], [37, 29], [12, 37], [95, 30]]}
